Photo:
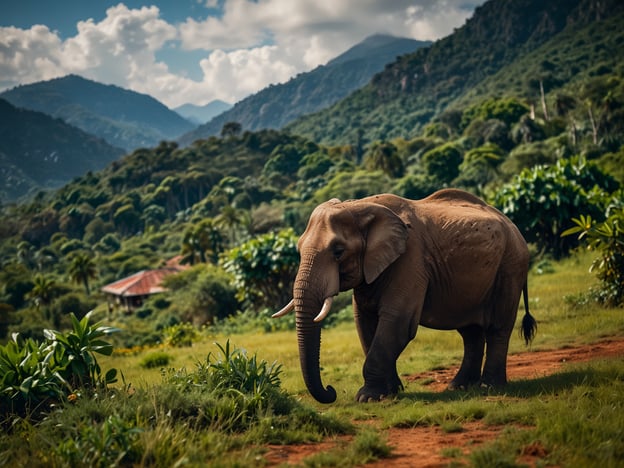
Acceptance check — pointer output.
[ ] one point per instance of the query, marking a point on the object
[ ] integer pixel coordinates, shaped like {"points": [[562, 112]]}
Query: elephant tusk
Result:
{"points": [[287, 308], [325, 309]]}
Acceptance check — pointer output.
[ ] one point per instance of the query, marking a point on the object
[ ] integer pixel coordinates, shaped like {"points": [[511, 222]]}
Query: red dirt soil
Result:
{"points": [[423, 446]]}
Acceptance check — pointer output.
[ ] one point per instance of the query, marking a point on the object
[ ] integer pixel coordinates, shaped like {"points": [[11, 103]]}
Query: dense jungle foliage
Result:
{"points": [[232, 207], [540, 136], [509, 48]]}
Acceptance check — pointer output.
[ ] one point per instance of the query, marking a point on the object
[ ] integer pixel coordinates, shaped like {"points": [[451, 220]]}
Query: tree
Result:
{"points": [[384, 156], [127, 219], [480, 166], [443, 162], [43, 291], [542, 200], [230, 220], [202, 294], [26, 254], [264, 269], [82, 269], [231, 129], [202, 242]]}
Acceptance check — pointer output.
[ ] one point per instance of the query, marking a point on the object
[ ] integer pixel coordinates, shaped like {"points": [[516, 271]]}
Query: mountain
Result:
{"points": [[123, 118], [422, 85], [275, 106], [38, 151], [202, 114]]}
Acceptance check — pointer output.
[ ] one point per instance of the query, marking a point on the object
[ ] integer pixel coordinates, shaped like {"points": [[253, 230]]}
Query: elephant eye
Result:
{"points": [[338, 251]]}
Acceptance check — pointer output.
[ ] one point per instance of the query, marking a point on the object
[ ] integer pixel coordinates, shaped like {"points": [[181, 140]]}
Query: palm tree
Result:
{"points": [[210, 239], [26, 254], [82, 269], [202, 242], [230, 220], [43, 291], [191, 251]]}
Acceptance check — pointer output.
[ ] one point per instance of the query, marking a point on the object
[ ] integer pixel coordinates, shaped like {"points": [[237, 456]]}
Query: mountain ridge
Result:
{"points": [[276, 105], [411, 91], [38, 151], [124, 118]]}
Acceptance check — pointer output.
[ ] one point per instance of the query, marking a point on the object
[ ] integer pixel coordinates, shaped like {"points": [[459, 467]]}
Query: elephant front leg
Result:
{"points": [[366, 325], [381, 378]]}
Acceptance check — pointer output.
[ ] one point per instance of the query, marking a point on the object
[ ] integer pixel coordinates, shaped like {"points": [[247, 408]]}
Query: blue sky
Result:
{"points": [[200, 50]]}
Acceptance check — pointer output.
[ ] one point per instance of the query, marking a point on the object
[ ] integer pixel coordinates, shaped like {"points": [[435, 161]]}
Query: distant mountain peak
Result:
{"points": [[202, 114], [377, 42], [277, 105], [122, 117]]}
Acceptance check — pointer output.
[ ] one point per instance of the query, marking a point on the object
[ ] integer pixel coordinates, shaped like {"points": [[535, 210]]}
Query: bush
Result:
{"points": [[201, 294], [156, 359], [36, 373], [542, 200], [243, 387], [607, 239], [264, 269], [180, 335]]}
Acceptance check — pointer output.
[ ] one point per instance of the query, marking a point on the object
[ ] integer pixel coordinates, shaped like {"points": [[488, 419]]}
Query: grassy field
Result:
{"points": [[555, 301], [564, 317], [575, 416]]}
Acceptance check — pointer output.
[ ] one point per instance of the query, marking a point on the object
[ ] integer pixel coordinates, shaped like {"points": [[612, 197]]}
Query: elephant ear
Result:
{"points": [[386, 239]]}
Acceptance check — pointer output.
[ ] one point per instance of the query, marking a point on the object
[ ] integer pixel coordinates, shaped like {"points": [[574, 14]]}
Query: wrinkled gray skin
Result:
{"points": [[446, 262]]}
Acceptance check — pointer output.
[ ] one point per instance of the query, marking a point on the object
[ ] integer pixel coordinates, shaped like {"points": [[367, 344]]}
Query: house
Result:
{"points": [[130, 292]]}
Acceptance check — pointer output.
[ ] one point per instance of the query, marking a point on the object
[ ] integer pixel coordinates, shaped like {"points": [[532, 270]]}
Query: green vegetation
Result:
{"points": [[537, 132], [222, 405], [33, 375], [501, 52], [607, 238]]}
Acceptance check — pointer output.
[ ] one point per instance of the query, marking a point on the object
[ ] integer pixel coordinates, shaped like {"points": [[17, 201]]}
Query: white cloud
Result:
{"points": [[29, 55], [250, 45], [121, 48]]}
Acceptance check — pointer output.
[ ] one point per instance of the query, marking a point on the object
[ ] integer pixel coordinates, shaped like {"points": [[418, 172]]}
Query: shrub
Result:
{"points": [[201, 294], [243, 387], [34, 373], [264, 269], [607, 239], [180, 335], [542, 200], [156, 359]]}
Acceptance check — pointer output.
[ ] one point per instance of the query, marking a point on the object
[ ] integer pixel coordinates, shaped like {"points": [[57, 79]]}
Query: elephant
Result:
{"points": [[448, 261]]}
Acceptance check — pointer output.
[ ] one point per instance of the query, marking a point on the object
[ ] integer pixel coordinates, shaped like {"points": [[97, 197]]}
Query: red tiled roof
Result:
{"points": [[143, 283]]}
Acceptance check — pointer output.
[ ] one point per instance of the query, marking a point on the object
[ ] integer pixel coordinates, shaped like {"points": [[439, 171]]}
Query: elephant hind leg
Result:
{"points": [[470, 370], [495, 369]]}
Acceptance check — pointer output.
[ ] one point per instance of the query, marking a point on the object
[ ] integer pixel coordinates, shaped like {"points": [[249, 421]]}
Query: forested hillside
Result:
{"points": [[277, 105], [508, 48], [123, 118], [233, 206], [40, 152]]}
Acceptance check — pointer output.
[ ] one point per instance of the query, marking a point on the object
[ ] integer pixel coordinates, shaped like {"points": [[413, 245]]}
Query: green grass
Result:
{"points": [[576, 415]]}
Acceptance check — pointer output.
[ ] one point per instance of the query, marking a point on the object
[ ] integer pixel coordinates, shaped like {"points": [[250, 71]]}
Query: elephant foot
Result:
{"points": [[368, 394], [461, 385], [490, 384]]}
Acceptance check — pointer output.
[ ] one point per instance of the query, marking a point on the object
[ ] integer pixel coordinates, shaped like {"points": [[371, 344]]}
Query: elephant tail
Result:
{"points": [[529, 324]]}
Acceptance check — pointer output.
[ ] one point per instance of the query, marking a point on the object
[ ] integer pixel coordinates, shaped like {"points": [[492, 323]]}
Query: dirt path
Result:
{"points": [[423, 446]]}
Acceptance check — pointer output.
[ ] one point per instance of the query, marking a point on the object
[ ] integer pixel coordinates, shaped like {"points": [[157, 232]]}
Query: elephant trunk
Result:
{"points": [[309, 300]]}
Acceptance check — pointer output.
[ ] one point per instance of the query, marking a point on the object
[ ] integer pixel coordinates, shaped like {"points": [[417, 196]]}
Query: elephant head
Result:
{"points": [[344, 245]]}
